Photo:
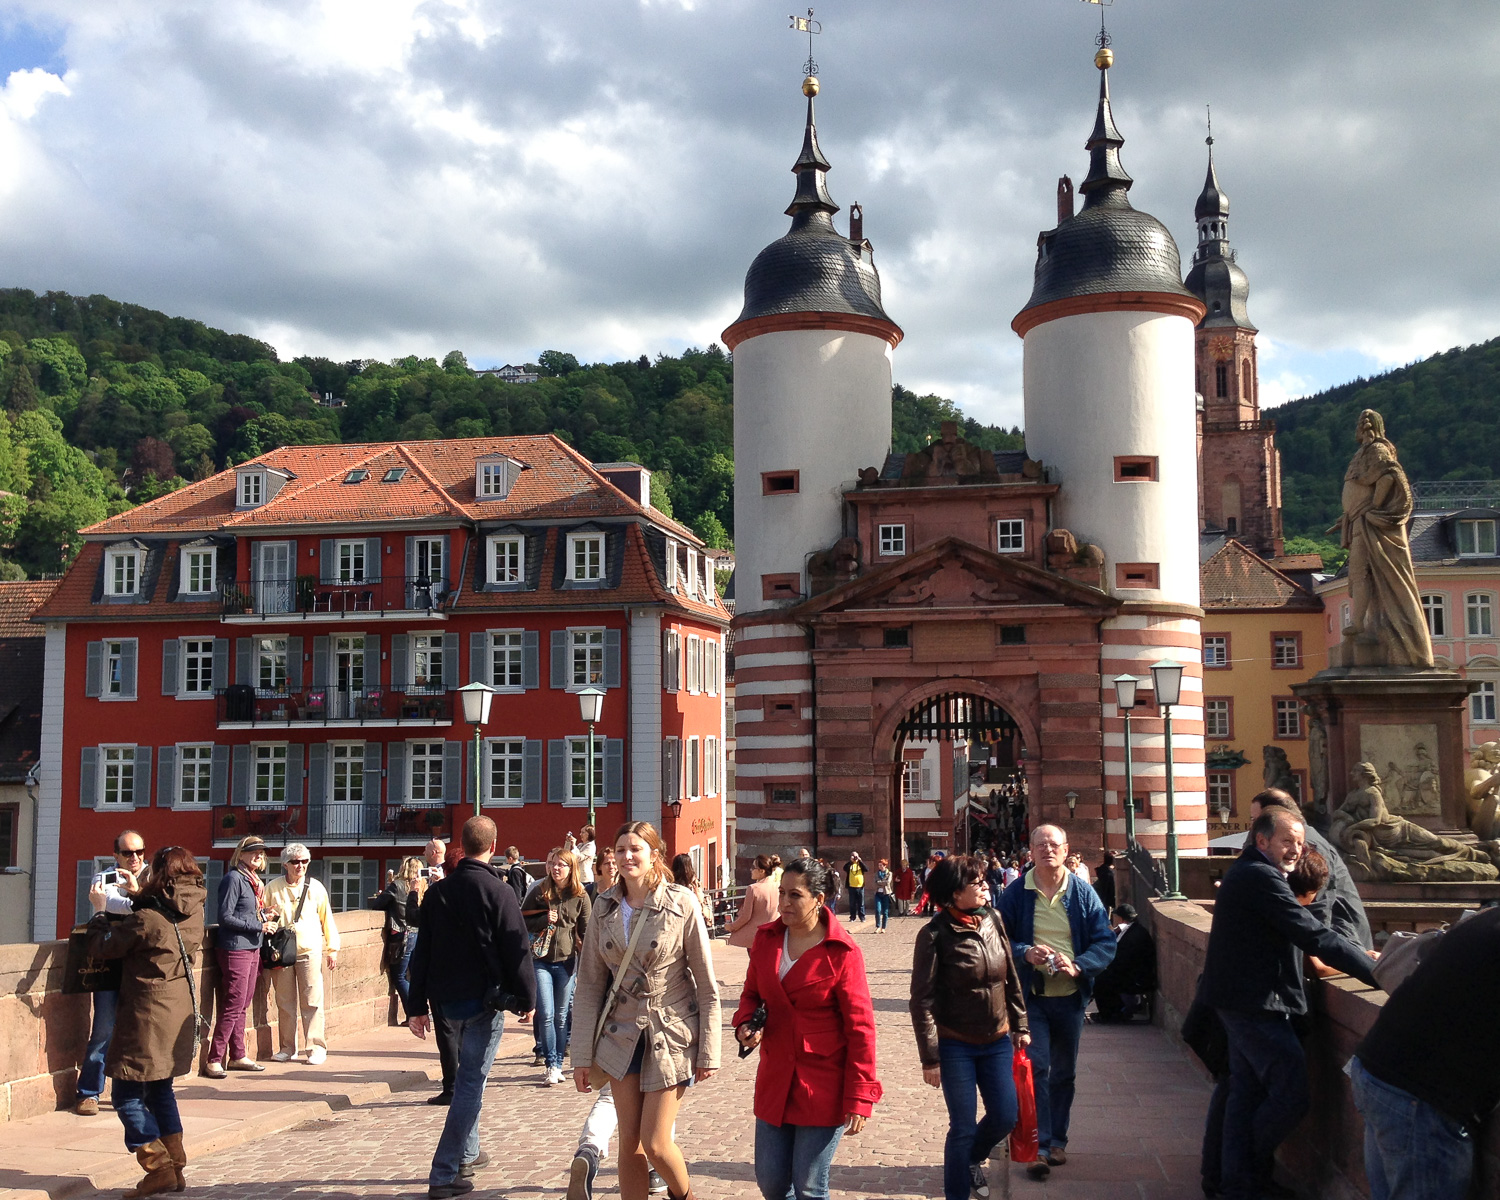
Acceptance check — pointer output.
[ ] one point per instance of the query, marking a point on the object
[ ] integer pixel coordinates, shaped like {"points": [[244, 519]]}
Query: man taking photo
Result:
{"points": [[472, 961]]}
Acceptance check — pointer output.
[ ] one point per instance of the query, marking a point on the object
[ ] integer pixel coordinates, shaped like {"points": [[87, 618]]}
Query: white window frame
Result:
{"points": [[1482, 703], [1221, 791], [268, 755], [1479, 614], [425, 649], [430, 772], [200, 572], [692, 572], [711, 761], [1435, 609], [1285, 707], [117, 761], [511, 644], [672, 564], [911, 779], [694, 664], [252, 489], [492, 483], [185, 657], [199, 756], [508, 753], [1212, 709], [693, 768], [433, 548], [1481, 535], [586, 558], [349, 553], [583, 644], [1278, 642], [112, 681], [1346, 614], [712, 657], [507, 558], [1010, 535], [892, 539], [346, 759], [122, 573], [264, 655], [578, 755], [1212, 653], [344, 880]]}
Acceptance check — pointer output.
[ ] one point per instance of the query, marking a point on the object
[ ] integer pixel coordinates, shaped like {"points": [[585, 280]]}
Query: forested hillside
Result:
{"points": [[1443, 414], [108, 404]]}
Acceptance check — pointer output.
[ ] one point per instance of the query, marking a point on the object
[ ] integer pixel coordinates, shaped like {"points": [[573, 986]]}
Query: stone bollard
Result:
{"points": [[998, 1170]]}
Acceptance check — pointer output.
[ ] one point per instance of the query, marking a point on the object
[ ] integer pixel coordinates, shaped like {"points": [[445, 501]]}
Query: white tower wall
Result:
{"points": [[817, 402], [1106, 384]]}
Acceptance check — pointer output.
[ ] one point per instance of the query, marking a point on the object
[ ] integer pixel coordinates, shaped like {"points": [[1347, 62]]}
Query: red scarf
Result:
{"points": [[969, 920]]}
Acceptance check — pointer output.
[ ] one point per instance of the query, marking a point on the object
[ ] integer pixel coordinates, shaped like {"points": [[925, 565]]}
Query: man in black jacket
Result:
{"points": [[1253, 978], [1125, 985], [471, 943], [1337, 904]]}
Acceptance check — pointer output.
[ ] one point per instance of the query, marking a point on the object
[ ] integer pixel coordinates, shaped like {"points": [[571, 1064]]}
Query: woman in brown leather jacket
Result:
{"points": [[968, 1010]]}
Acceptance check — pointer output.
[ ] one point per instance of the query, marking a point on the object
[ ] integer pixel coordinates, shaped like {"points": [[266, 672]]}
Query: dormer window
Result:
{"points": [[692, 572], [493, 477], [1476, 539], [585, 557], [508, 559], [122, 572], [256, 485], [671, 565], [252, 489], [199, 570]]}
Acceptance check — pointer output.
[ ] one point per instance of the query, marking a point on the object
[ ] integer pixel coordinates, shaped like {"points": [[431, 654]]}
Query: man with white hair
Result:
{"points": [[301, 903], [1061, 936], [433, 855]]}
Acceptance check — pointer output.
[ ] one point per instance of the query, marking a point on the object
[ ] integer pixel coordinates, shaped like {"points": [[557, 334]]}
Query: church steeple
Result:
{"points": [[1107, 180], [1215, 277], [811, 168], [1212, 213]]}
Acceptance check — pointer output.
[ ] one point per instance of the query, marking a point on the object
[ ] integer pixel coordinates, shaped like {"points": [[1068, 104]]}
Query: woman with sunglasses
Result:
{"points": [[301, 903]]}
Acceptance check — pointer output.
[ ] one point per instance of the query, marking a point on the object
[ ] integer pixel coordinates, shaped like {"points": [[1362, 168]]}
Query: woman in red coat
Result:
{"points": [[816, 1079]]}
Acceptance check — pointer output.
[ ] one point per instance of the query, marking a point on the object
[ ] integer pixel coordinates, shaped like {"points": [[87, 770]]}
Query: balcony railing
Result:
{"points": [[245, 705], [307, 596], [334, 822]]}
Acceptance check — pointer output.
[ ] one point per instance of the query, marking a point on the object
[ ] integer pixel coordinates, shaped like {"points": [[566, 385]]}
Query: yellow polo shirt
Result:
{"points": [[1050, 927]]}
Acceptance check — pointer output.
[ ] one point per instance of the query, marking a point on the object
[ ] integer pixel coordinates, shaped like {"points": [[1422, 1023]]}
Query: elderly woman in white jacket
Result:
{"points": [[299, 988]]}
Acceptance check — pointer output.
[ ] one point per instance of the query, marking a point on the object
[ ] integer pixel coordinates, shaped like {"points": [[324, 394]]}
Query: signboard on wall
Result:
{"points": [[846, 824]]}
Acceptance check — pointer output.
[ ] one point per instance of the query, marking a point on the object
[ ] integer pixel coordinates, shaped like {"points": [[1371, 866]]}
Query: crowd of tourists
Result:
{"points": [[607, 956]]}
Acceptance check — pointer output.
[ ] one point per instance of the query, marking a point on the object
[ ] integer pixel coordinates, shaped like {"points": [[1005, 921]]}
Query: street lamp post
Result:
{"points": [[1125, 687], [476, 699], [590, 705], [1167, 678]]}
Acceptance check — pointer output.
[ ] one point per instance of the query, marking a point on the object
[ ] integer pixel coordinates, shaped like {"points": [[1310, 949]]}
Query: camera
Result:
{"points": [[754, 1023], [424, 872], [110, 878], [497, 999]]}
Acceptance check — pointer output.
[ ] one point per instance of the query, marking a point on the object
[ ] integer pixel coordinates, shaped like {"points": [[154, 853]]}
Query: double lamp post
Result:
{"points": [[1166, 681]]}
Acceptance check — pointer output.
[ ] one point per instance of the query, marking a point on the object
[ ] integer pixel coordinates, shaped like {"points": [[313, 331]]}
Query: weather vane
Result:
{"points": [[808, 26], [1102, 41], [1209, 140]]}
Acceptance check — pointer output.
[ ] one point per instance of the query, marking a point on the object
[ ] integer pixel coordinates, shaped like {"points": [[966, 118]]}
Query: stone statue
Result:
{"points": [[1276, 770], [1387, 608], [1317, 762], [1482, 785], [1382, 847]]}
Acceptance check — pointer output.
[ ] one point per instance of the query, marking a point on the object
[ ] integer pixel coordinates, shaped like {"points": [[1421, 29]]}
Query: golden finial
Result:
{"points": [[810, 86], [1104, 58]]}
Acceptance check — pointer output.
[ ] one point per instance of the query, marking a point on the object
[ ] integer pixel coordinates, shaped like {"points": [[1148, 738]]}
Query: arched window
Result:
{"points": [[1245, 381], [1221, 380]]}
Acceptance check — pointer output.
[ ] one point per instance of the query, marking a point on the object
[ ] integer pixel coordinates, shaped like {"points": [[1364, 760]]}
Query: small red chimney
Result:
{"points": [[1064, 199], [856, 224]]}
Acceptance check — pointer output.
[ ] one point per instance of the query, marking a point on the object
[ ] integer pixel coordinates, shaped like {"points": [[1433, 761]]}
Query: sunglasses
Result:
{"points": [[297, 862], [131, 853]]}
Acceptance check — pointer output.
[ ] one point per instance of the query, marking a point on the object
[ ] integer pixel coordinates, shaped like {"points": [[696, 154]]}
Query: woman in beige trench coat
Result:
{"points": [[661, 1030]]}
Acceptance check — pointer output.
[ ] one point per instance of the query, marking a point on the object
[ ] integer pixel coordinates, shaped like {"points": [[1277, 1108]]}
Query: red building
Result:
{"points": [[275, 650]]}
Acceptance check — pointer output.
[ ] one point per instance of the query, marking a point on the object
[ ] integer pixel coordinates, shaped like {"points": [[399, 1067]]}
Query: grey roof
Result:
{"points": [[1215, 277], [813, 268], [1007, 462], [1108, 246], [1212, 202], [1433, 543]]}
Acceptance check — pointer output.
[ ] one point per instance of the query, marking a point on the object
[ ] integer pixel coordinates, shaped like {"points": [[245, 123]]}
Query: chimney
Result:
{"points": [[856, 224], [1064, 199]]}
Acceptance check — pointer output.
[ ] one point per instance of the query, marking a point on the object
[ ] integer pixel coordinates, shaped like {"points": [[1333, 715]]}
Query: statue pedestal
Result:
{"points": [[1408, 722]]}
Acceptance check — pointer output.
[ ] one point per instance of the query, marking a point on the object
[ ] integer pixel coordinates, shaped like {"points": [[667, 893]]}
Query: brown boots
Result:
{"points": [[173, 1143], [161, 1173]]}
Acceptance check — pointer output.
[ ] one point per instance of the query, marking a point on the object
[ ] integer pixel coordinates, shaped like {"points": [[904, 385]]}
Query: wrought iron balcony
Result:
{"points": [[309, 598], [243, 706], [334, 822]]}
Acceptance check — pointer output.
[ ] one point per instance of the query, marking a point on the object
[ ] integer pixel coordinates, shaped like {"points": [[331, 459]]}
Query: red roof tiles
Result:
{"points": [[18, 600]]}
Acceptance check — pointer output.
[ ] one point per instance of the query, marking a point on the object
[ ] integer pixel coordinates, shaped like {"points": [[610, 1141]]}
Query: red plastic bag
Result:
{"points": [[1023, 1147]]}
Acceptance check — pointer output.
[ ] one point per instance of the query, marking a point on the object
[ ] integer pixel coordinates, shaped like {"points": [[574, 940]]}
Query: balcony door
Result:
{"points": [[273, 581], [348, 676], [346, 798]]}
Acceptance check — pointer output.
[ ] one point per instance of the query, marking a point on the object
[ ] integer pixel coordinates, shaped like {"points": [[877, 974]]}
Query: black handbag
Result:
{"points": [[82, 974], [279, 948]]}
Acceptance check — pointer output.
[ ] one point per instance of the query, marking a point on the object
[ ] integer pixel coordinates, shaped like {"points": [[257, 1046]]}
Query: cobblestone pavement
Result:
{"points": [[1136, 1123]]}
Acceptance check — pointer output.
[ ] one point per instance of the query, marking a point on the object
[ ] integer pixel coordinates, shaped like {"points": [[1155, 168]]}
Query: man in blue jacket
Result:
{"points": [[1252, 977], [1062, 939]]}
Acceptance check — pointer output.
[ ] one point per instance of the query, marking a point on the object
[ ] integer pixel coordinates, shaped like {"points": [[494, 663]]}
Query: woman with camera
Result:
{"points": [[244, 920], [806, 1004], [646, 1012], [401, 901], [557, 917], [155, 1036], [968, 1010]]}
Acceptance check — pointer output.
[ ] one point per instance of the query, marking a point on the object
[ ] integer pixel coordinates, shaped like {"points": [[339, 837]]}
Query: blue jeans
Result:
{"points": [[479, 1036], [882, 909], [1267, 1097], [147, 1110], [1412, 1151], [1056, 1026], [91, 1070], [554, 1004], [964, 1067], [403, 985], [856, 904], [793, 1161]]}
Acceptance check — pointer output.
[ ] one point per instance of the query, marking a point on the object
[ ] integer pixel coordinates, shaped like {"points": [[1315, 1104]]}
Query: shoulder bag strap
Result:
{"points": [[614, 986], [187, 968], [301, 900]]}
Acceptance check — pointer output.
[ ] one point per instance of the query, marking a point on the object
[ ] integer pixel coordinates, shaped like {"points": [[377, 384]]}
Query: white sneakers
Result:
{"points": [[283, 1056], [317, 1056], [554, 1076]]}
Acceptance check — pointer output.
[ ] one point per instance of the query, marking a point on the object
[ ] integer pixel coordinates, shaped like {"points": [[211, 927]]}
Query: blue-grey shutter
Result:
{"points": [[294, 664], [169, 667], [611, 658], [371, 795], [318, 869], [453, 772], [93, 672], [320, 662], [411, 571], [218, 777], [450, 660], [372, 560], [400, 670], [372, 663], [614, 770], [447, 579], [255, 572], [244, 663], [239, 788], [166, 776], [212, 874], [395, 774], [294, 776], [317, 773], [88, 778], [140, 784], [221, 663], [559, 778], [369, 881], [127, 669], [82, 909], [668, 660], [328, 560], [531, 771], [478, 669], [561, 667], [530, 654]]}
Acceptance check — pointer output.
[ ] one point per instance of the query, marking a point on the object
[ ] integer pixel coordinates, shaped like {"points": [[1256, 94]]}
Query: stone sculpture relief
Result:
{"points": [[1382, 847]]}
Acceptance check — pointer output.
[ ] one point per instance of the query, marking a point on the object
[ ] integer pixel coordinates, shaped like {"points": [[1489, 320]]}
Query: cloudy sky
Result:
{"points": [[382, 177]]}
